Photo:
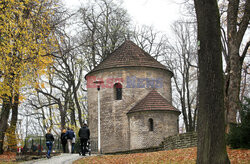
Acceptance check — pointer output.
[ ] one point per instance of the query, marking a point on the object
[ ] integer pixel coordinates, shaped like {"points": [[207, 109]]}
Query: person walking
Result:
{"points": [[73, 141], [84, 134], [70, 135], [49, 142], [63, 140]]}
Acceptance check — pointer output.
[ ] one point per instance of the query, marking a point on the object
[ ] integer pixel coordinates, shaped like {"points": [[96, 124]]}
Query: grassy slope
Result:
{"points": [[187, 155]]}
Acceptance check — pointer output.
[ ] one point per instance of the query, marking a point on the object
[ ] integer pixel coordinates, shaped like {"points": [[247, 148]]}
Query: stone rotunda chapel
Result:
{"points": [[135, 100]]}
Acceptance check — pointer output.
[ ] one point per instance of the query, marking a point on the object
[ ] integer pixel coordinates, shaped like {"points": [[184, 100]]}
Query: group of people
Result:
{"points": [[68, 137]]}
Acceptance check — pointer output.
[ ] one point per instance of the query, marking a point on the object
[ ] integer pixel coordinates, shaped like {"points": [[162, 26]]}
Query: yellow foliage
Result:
{"points": [[26, 42], [21, 98], [42, 85]]}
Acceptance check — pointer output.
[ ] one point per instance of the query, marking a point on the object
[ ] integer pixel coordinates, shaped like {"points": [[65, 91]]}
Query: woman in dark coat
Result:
{"points": [[63, 140]]}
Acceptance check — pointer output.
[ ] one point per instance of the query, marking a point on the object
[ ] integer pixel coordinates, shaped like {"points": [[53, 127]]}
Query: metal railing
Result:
{"points": [[37, 145]]}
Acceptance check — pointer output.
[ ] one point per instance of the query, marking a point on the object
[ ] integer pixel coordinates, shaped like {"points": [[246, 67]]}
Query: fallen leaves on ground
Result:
{"points": [[239, 156], [187, 155], [8, 157]]}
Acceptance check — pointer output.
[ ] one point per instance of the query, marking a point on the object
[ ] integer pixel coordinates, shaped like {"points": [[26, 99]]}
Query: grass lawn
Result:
{"points": [[187, 155]]}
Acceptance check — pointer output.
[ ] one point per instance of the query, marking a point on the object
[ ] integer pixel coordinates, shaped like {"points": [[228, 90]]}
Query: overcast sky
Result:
{"points": [[158, 13]]}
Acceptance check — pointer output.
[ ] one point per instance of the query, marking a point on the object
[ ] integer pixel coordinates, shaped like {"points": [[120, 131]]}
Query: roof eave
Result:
{"points": [[176, 111], [93, 71]]}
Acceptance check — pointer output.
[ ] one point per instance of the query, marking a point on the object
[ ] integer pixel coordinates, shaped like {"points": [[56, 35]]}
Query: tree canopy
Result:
{"points": [[26, 42]]}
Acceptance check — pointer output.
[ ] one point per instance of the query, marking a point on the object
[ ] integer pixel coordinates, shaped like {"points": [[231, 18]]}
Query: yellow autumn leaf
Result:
{"points": [[42, 85]]}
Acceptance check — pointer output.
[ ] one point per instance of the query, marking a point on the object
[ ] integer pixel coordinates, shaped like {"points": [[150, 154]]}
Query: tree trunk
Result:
{"points": [[72, 112], [12, 140], [62, 115], [235, 34], [211, 146], [77, 104], [4, 119], [63, 122], [93, 47], [184, 113], [233, 100]]}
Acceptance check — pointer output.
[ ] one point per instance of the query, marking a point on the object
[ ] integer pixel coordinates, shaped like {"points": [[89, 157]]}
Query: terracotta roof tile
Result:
{"points": [[153, 101], [128, 55]]}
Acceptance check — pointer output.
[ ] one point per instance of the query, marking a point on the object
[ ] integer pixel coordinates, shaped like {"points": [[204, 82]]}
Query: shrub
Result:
{"points": [[239, 135]]}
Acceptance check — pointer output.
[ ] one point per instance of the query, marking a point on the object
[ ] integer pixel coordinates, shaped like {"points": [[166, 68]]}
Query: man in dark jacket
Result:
{"points": [[64, 140], [49, 142], [84, 134]]}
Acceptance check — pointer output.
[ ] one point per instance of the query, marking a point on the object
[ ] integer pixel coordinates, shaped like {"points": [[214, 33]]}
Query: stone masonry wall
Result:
{"points": [[114, 119], [179, 141], [164, 122]]}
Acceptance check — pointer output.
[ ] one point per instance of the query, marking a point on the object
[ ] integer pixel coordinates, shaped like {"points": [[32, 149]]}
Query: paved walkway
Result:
{"points": [[60, 159]]}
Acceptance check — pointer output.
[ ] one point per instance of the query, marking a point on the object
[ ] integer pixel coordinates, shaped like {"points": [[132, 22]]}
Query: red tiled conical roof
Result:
{"points": [[128, 55], [153, 101]]}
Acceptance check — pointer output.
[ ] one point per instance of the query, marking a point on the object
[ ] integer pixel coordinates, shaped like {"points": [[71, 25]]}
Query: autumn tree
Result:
{"points": [[36, 109], [237, 13], [211, 146], [149, 39], [65, 80], [26, 42], [103, 27], [62, 83], [234, 15], [180, 56], [63, 87]]}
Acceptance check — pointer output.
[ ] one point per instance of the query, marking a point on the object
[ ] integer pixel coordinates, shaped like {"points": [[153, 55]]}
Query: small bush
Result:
{"points": [[239, 135]]}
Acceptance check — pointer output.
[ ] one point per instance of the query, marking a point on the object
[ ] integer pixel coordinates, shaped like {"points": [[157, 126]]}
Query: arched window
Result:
{"points": [[118, 91], [151, 124]]}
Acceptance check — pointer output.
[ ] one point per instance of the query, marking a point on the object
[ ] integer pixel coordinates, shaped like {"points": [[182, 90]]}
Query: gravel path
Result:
{"points": [[61, 159]]}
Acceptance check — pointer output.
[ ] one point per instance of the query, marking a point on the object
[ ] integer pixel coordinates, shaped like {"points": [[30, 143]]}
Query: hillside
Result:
{"points": [[187, 155]]}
